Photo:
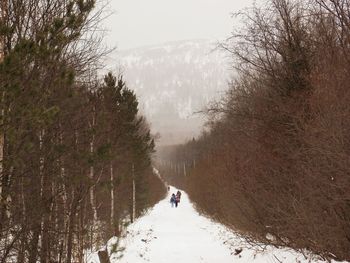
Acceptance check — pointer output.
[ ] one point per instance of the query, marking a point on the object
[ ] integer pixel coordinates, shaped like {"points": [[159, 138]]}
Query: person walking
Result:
{"points": [[173, 200], [177, 200], [178, 194]]}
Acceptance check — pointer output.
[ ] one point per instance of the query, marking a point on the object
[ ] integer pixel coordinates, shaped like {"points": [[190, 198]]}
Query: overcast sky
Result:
{"points": [[138, 23]]}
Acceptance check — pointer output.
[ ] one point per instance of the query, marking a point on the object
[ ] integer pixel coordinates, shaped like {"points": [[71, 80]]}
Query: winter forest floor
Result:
{"points": [[172, 235]]}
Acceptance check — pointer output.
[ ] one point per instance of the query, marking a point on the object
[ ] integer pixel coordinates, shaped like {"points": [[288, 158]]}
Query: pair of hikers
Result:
{"points": [[175, 199]]}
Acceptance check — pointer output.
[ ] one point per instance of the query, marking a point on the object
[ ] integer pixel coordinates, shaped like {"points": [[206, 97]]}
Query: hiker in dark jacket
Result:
{"points": [[177, 200], [178, 197], [173, 200]]}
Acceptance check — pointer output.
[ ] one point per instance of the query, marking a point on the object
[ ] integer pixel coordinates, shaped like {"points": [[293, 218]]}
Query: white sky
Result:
{"points": [[138, 23]]}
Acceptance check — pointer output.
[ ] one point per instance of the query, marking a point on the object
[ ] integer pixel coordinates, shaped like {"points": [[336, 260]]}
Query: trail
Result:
{"points": [[173, 235]]}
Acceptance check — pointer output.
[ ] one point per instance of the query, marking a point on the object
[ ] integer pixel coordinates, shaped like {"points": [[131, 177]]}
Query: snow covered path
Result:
{"points": [[173, 235], [170, 235]]}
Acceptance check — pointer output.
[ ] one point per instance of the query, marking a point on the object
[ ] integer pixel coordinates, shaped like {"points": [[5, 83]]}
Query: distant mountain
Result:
{"points": [[173, 81]]}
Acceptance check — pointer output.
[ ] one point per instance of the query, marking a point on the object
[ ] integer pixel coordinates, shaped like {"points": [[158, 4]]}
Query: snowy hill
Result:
{"points": [[175, 80], [172, 235]]}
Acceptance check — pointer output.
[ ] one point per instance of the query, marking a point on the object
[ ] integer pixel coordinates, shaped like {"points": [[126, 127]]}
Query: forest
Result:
{"points": [[273, 162], [75, 152]]}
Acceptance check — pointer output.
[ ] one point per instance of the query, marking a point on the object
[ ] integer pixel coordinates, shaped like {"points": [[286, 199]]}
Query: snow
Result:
{"points": [[172, 235]]}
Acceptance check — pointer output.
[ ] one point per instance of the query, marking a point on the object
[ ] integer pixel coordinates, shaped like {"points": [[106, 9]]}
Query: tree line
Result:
{"points": [[274, 163], [75, 153]]}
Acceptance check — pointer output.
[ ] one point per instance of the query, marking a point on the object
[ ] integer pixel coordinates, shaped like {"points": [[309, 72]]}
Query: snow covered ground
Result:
{"points": [[172, 235]]}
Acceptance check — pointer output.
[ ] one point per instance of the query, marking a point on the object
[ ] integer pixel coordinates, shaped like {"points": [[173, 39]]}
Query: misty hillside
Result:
{"points": [[173, 81]]}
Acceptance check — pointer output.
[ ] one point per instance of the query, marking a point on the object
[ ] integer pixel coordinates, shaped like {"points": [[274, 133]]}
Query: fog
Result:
{"points": [[164, 49]]}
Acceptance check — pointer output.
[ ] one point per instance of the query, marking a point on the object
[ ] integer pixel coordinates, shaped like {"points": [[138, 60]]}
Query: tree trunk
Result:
{"points": [[21, 252], [92, 174], [2, 136], [60, 254], [133, 195], [81, 234], [45, 206], [64, 197], [113, 219], [44, 240], [72, 214], [33, 252]]}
